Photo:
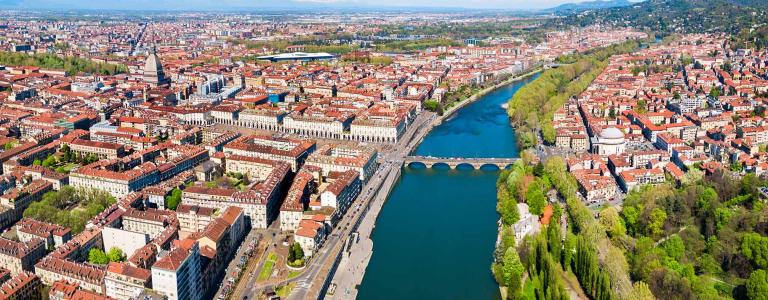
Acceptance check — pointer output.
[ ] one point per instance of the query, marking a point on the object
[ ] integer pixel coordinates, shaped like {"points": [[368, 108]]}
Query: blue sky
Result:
{"points": [[233, 4]]}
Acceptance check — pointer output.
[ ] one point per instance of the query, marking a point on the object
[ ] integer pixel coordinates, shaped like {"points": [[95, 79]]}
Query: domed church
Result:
{"points": [[610, 141], [153, 70]]}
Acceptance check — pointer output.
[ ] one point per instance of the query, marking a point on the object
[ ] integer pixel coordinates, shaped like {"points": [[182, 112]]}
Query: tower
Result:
{"points": [[153, 70]]}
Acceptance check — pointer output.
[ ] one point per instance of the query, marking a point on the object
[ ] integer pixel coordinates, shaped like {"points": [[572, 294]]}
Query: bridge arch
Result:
{"points": [[465, 166], [441, 165], [490, 167], [416, 165]]}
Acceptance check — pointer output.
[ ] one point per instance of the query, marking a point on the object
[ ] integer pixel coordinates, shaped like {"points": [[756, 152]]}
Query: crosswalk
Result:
{"points": [[304, 282]]}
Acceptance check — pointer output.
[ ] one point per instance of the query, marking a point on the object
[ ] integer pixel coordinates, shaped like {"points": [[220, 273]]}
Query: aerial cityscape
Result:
{"points": [[342, 149]]}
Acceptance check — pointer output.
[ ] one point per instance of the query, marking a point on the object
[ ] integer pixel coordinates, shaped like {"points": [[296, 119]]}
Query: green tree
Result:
{"points": [[67, 153], [674, 247], [536, 199], [631, 215], [641, 291], [512, 271], [757, 285], [509, 213], [295, 253], [96, 256], [610, 219], [715, 92], [172, 201], [656, 222], [49, 161], [431, 105], [755, 248], [115, 255]]}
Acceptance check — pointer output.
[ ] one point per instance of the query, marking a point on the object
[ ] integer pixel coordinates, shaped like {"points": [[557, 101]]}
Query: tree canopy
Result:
{"points": [[72, 65]]}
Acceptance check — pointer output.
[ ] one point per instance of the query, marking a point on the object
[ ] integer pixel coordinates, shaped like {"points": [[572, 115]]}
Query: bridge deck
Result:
{"points": [[453, 162]]}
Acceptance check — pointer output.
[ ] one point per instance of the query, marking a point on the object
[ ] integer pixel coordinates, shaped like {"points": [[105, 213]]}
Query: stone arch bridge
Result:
{"points": [[454, 162]]}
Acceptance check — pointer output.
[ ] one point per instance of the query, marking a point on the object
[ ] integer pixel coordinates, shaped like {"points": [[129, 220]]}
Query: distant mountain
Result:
{"points": [[678, 16], [588, 5]]}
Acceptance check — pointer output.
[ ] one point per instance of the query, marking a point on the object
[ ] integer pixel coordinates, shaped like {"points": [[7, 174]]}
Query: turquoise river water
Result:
{"points": [[435, 236]]}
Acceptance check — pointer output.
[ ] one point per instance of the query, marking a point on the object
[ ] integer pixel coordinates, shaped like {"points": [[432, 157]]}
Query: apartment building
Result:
{"points": [[340, 158], [177, 274], [53, 235], [19, 257], [51, 269], [124, 281], [292, 151]]}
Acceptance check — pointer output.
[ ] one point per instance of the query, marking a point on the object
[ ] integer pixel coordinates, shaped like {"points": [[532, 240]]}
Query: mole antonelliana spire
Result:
{"points": [[153, 70]]}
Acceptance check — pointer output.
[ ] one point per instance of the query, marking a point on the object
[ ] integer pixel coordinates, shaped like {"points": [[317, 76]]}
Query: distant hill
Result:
{"points": [[588, 5], [678, 16]]}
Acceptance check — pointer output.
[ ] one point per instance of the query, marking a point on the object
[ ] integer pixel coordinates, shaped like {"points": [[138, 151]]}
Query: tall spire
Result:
{"points": [[153, 69]]}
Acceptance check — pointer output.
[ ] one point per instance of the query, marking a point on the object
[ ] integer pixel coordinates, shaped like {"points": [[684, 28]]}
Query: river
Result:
{"points": [[435, 236]]}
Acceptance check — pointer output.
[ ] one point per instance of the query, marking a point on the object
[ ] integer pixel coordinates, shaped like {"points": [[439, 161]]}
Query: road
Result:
{"points": [[390, 159], [233, 269]]}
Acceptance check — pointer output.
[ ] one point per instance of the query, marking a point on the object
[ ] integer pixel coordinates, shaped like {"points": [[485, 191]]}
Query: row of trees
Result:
{"points": [[529, 29], [543, 265], [400, 46], [72, 65], [532, 107]]}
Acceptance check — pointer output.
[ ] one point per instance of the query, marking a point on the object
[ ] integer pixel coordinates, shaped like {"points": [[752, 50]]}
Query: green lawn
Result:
{"points": [[269, 265], [66, 168], [284, 291], [292, 274]]}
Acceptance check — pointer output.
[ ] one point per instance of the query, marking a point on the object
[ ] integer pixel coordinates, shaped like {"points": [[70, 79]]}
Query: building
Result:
{"points": [[596, 188], [340, 194], [254, 168], [177, 274], [102, 150], [260, 203], [127, 241], [52, 269], [528, 223], [19, 257], [150, 221], [292, 151], [21, 287], [292, 209], [54, 235], [123, 281], [610, 141], [340, 158], [153, 70], [630, 179], [377, 130], [63, 290], [297, 56], [194, 218], [310, 235]]}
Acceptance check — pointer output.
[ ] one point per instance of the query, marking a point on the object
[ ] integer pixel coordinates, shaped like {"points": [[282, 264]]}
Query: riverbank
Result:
{"points": [[453, 109]]}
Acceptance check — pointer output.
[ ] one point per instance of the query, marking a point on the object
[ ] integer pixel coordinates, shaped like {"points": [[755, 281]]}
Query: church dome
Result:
{"points": [[611, 135]]}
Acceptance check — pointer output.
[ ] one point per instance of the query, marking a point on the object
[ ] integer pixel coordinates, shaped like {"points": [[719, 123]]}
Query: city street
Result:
{"points": [[390, 159]]}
